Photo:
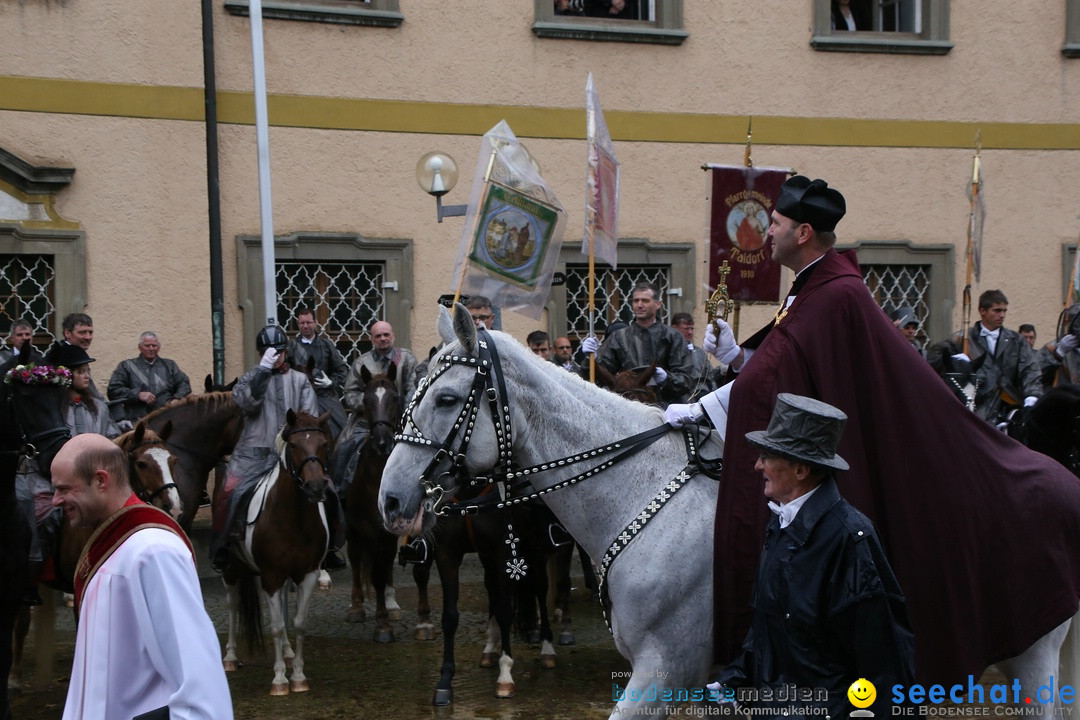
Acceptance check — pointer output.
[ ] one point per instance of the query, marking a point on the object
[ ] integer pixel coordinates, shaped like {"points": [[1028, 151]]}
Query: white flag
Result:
{"points": [[601, 185]]}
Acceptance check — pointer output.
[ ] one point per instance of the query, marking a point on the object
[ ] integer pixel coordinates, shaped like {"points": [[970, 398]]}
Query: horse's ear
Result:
{"points": [[365, 374], [166, 431], [391, 372], [140, 432], [324, 418], [25, 352], [604, 378], [290, 417], [208, 383], [230, 386], [465, 329], [445, 326], [310, 368]]}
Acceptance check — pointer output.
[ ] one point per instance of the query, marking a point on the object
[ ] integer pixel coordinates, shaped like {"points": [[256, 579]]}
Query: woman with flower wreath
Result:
{"points": [[83, 413]]}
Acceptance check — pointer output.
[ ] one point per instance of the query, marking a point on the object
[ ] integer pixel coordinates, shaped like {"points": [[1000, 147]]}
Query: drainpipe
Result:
{"points": [[213, 198]]}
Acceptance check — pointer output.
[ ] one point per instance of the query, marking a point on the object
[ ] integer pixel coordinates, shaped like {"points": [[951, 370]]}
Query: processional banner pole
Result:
{"points": [[262, 141]]}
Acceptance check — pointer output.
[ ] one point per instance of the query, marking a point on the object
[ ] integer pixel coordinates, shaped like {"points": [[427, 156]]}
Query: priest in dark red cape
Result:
{"points": [[982, 533]]}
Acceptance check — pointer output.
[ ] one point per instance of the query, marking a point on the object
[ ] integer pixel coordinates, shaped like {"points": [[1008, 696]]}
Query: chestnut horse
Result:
{"points": [[286, 538]]}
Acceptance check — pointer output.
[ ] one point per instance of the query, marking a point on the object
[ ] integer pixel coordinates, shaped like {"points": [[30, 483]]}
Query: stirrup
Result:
{"points": [[413, 553]]}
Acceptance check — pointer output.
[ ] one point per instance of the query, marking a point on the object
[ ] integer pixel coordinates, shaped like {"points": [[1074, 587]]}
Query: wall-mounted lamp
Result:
{"points": [[437, 173]]}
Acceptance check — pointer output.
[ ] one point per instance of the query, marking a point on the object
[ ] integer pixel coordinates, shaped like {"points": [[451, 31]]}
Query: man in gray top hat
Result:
{"points": [[828, 610]]}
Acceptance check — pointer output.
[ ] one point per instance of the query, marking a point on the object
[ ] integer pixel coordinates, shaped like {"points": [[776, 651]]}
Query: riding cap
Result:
{"points": [[812, 202], [68, 355], [271, 336], [905, 316], [803, 429]]}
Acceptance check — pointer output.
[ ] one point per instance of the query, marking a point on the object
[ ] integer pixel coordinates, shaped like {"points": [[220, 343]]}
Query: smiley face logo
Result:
{"points": [[862, 693]]}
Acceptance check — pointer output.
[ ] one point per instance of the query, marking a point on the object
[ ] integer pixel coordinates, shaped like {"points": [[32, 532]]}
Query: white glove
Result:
{"points": [[589, 345], [320, 379], [125, 426], [659, 375], [961, 356], [269, 358], [678, 415], [723, 348], [1066, 345], [1030, 400]]}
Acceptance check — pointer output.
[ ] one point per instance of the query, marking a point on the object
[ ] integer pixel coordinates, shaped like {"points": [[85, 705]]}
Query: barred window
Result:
{"points": [[894, 286], [613, 291], [28, 291], [345, 297]]}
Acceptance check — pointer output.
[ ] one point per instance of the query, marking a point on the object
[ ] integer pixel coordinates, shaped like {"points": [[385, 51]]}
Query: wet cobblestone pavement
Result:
{"points": [[352, 676]]}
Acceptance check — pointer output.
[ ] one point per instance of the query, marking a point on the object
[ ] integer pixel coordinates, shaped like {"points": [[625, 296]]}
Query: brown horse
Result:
{"points": [[371, 547], [286, 539], [205, 429]]}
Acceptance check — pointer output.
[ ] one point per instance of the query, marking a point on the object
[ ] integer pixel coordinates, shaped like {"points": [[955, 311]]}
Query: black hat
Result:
{"points": [[812, 202], [803, 429], [68, 355]]}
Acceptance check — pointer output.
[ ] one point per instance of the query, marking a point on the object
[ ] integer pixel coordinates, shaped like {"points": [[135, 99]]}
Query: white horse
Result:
{"points": [[660, 585]]}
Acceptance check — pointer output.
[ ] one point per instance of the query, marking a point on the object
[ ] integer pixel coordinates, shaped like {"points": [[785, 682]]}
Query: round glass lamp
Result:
{"points": [[436, 173]]}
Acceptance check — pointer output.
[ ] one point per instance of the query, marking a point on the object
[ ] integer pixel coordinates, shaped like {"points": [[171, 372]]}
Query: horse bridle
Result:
{"points": [[511, 483], [141, 492], [295, 470]]}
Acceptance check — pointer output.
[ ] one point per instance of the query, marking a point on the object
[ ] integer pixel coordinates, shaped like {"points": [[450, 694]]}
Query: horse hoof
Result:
{"points": [[231, 665], [443, 697], [395, 615], [324, 580], [504, 689], [566, 637], [424, 632], [69, 600], [488, 659], [547, 662], [278, 689], [356, 616], [384, 636], [298, 686]]}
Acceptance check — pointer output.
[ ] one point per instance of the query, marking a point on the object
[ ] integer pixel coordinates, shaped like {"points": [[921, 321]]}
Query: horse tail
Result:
{"points": [[251, 621]]}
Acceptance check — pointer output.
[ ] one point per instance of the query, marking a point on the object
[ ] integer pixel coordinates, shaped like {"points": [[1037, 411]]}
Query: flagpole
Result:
{"points": [[262, 142], [1072, 280], [971, 243]]}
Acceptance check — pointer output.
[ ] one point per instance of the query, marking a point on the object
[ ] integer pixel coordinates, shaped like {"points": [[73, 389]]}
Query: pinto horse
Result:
{"points": [[371, 547], [286, 538], [205, 429], [623, 483]]}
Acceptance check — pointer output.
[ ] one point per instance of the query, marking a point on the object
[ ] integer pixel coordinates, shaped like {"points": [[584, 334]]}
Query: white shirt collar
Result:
{"points": [[788, 511]]}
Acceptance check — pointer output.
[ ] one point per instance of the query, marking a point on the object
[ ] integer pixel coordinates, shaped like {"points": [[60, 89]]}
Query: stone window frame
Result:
{"points": [[666, 29], [47, 233], [939, 258], [375, 13], [933, 40], [682, 278], [396, 253]]}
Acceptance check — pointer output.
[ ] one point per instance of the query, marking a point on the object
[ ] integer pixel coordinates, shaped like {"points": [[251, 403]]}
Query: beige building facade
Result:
{"points": [[103, 175]]}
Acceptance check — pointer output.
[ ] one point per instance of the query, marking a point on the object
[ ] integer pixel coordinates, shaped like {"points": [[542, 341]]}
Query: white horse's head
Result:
{"points": [[449, 433]]}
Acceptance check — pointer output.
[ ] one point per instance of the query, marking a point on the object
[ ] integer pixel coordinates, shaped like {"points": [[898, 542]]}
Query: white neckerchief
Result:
{"points": [[991, 338], [306, 341], [788, 511]]}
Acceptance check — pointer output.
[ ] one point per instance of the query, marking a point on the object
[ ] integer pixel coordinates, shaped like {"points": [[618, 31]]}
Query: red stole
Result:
{"points": [[111, 534]]}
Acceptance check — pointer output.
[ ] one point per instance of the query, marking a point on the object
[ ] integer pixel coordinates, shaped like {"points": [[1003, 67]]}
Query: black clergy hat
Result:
{"points": [[812, 202], [803, 429]]}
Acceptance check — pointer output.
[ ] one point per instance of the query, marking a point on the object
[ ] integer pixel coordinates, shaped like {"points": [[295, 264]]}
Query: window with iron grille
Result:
{"points": [[27, 292], [894, 286], [345, 297], [613, 290]]}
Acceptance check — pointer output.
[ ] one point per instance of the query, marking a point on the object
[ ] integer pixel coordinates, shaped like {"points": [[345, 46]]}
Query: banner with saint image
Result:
{"points": [[742, 201], [601, 184], [513, 230]]}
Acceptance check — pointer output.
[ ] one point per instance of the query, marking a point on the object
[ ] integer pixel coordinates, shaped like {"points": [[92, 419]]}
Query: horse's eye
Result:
{"points": [[142, 464], [446, 400]]}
